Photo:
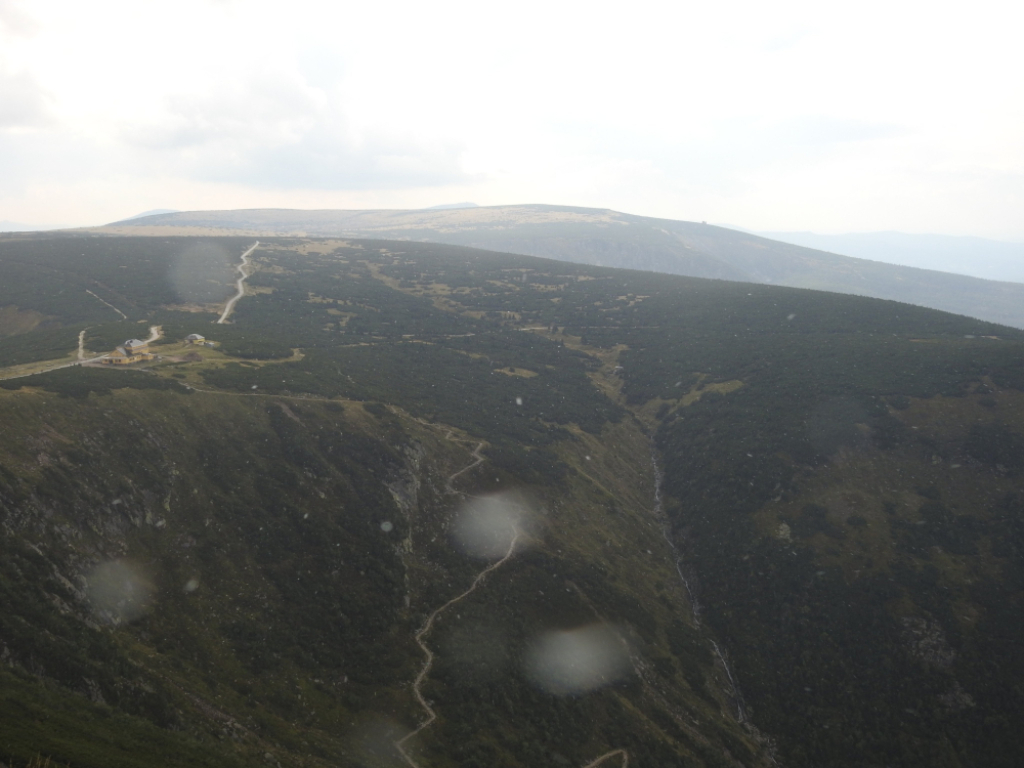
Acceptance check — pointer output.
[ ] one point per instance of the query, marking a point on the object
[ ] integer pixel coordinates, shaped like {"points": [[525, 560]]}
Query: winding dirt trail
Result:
{"points": [[608, 755], [428, 625], [239, 284], [417, 685], [478, 460]]}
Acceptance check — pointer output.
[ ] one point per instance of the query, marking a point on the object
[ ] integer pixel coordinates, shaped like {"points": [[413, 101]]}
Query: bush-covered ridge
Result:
{"points": [[840, 475]]}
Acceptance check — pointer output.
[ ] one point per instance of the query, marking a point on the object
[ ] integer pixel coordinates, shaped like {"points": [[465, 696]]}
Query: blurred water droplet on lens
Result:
{"points": [[202, 274], [119, 591], [486, 525], [577, 661], [373, 740], [386, 526]]}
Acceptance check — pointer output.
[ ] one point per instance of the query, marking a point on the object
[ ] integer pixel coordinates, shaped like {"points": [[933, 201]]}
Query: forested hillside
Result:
{"points": [[608, 238], [781, 525]]}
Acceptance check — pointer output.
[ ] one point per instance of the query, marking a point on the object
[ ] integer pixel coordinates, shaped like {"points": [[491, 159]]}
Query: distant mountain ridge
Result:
{"points": [[15, 226], [450, 206], [152, 212], [973, 256], [609, 238]]}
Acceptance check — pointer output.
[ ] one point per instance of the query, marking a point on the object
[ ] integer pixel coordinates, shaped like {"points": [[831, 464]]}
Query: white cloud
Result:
{"points": [[23, 103], [266, 106], [278, 131], [322, 159], [785, 116], [15, 19]]}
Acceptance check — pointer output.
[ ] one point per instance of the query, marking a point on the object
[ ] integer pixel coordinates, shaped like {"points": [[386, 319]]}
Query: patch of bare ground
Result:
{"points": [[28, 369], [521, 372], [14, 320]]}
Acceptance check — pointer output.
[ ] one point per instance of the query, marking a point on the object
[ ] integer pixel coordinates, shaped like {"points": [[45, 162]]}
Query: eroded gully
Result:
{"points": [[659, 512]]}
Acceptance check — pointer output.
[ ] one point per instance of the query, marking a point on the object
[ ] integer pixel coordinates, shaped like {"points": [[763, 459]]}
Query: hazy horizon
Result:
{"points": [[788, 118], [983, 258]]}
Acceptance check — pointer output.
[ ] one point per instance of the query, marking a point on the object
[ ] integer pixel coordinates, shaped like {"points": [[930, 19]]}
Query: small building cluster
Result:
{"points": [[132, 351], [199, 341], [137, 351]]}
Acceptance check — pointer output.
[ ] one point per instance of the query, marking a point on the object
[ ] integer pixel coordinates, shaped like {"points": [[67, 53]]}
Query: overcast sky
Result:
{"points": [[832, 117]]}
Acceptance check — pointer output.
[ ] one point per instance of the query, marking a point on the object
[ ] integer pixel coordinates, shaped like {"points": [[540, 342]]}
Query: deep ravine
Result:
{"points": [[659, 513]]}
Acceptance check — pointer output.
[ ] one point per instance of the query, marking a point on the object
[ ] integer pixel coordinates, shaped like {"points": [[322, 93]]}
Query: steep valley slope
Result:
{"points": [[666, 520], [271, 560]]}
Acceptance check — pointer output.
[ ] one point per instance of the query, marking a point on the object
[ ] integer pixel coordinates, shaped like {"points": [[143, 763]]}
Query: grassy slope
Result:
{"points": [[70, 284], [773, 406], [608, 238], [299, 630]]}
